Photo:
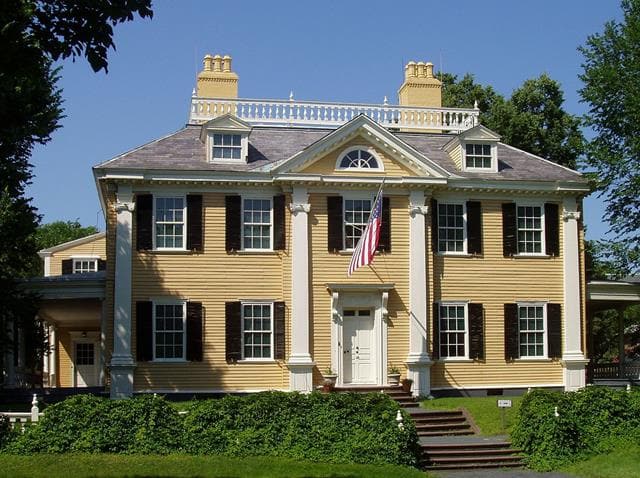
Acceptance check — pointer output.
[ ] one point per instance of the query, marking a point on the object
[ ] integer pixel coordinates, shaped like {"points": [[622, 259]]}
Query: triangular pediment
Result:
{"points": [[477, 133], [397, 157], [227, 123]]}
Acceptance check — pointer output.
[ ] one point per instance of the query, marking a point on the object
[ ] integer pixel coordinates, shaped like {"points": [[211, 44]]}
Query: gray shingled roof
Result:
{"points": [[184, 151]]}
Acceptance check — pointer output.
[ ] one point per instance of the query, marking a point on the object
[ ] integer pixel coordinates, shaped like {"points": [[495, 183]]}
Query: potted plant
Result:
{"points": [[329, 380], [406, 385], [393, 375]]}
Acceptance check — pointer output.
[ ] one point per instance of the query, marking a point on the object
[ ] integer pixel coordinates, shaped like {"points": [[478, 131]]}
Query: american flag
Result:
{"points": [[368, 243]]}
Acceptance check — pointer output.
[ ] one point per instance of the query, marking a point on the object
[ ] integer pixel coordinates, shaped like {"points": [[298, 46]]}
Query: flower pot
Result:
{"points": [[329, 382], [406, 385], [393, 379]]}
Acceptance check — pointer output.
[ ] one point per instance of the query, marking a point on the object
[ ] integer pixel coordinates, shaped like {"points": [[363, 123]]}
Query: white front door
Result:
{"points": [[86, 364], [359, 352]]}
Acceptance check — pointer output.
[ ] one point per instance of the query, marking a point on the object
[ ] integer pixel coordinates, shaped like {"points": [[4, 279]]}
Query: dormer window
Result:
{"points": [[478, 156], [359, 158], [227, 146], [475, 150], [226, 139]]}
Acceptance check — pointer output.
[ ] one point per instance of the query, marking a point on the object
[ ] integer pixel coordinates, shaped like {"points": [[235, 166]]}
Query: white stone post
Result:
{"points": [[122, 363], [418, 361], [573, 359], [53, 357], [35, 411], [300, 362]]}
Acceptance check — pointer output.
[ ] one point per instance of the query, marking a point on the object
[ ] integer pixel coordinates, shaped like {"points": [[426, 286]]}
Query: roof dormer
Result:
{"points": [[226, 139], [475, 150]]}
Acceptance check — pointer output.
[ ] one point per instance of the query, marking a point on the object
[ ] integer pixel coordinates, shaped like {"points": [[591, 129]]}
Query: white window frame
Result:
{"points": [[368, 149], [464, 228], [184, 221], [76, 260], [242, 332], [543, 245], [494, 157], [242, 236], [184, 329], [353, 197], [545, 344], [244, 142], [466, 330]]}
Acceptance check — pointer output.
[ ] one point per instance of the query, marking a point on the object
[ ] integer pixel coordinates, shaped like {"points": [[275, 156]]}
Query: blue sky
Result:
{"points": [[324, 50]]}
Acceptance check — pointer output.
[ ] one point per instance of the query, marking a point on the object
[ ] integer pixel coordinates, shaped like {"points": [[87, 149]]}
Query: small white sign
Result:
{"points": [[504, 403]]}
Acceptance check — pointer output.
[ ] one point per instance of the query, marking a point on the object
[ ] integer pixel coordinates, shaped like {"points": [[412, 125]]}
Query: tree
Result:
{"points": [[532, 119], [611, 70], [34, 34]]}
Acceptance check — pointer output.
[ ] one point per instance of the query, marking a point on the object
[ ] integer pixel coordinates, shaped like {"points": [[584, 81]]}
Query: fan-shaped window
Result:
{"points": [[359, 159]]}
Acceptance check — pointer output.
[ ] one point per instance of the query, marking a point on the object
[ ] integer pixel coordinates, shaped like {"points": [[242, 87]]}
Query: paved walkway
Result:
{"points": [[500, 473]]}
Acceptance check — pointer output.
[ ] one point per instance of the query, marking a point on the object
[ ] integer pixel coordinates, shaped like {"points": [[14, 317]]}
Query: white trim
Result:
{"points": [[244, 147], [244, 197], [90, 338], [169, 301], [543, 229], [74, 243], [454, 303], [169, 195], [494, 155], [500, 386], [47, 264], [465, 247], [367, 148], [271, 337], [545, 332], [76, 260], [209, 390]]}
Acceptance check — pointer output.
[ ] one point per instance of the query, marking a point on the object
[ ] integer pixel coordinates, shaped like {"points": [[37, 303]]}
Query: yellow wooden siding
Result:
{"points": [[494, 280], [328, 267], [65, 361], [326, 165], [456, 156], [95, 248], [213, 278]]}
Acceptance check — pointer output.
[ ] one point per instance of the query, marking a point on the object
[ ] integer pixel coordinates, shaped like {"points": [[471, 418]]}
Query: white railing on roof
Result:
{"points": [[315, 114]]}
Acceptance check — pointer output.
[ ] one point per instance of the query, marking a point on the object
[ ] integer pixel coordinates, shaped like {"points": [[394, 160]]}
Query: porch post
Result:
{"points": [[620, 316], [122, 363], [300, 362], [573, 360], [418, 361], [53, 357]]}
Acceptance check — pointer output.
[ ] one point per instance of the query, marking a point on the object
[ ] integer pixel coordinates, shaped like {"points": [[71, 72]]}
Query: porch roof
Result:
{"points": [[90, 285]]}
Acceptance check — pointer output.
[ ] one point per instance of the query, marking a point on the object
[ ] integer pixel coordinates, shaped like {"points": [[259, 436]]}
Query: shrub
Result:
{"points": [[337, 428], [85, 423], [589, 421], [5, 431]]}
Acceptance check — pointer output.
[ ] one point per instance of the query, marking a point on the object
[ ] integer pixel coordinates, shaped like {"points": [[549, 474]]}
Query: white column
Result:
{"points": [[122, 363], [53, 356], [47, 264], [573, 359], [300, 362], [418, 361], [103, 341]]}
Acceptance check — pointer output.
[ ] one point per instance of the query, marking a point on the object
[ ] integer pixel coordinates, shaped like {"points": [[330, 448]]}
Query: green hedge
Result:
{"points": [[336, 428], [589, 421]]}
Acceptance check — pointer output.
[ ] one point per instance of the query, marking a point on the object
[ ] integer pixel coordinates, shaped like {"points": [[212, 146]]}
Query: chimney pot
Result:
{"points": [[410, 70], [422, 73], [208, 60], [429, 69], [217, 63], [226, 63]]}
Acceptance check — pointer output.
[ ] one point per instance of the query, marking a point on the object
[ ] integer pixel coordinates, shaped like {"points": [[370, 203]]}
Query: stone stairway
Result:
{"points": [[449, 438]]}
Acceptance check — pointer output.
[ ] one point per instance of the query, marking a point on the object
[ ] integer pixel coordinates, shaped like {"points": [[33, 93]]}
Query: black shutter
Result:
{"points": [[509, 230], [194, 331], [279, 224], [144, 331], [233, 223], [476, 332], [102, 265], [551, 229], [435, 323], [474, 227], [144, 222], [384, 245], [511, 340], [434, 225], [67, 266], [335, 223], [194, 223], [233, 331], [278, 326], [554, 334]]}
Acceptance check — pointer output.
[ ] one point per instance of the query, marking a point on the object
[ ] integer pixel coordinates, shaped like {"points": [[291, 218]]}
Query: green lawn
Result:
{"points": [[622, 462], [105, 465], [484, 410]]}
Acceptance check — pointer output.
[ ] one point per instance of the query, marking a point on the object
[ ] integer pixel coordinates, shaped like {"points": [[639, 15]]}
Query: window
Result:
{"points": [[453, 330], [451, 228], [80, 266], [530, 237], [169, 331], [358, 159], [85, 353], [478, 156], [532, 330], [170, 222], [256, 224], [257, 331], [227, 146], [356, 216]]}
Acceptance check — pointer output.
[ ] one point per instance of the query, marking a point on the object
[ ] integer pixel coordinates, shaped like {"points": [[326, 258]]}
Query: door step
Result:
{"points": [[470, 455]]}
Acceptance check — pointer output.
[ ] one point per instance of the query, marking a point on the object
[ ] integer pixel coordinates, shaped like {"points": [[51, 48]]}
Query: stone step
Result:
{"points": [[472, 466], [468, 445], [424, 433], [443, 426], [437, 419], [473, 452], [436, 414]]}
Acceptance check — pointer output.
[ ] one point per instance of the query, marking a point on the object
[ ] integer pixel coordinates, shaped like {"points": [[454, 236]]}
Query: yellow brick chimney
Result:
{"points": [[420, 87], [216, 80]]}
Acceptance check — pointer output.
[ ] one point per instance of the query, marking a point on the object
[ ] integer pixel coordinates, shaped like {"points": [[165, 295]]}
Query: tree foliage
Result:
{"points": [[533, 119], [611, 70]]}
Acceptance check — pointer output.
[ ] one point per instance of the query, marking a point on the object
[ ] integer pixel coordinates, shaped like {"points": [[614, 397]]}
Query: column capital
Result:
{"points": [[570, 216], [124, 206], [295, 208], [415, 210]]}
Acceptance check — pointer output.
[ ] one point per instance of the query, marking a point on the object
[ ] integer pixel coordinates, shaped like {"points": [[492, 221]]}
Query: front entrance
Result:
{"points": [[85, 364], [359, 351]]}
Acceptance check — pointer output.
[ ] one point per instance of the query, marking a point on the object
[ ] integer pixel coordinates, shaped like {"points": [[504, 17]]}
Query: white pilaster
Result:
{"points": [[300, 362], [122, 363], [47, 263], [418, 361], [573, 359]]}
